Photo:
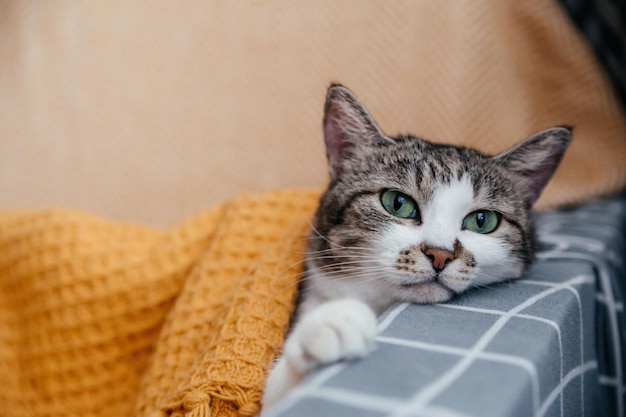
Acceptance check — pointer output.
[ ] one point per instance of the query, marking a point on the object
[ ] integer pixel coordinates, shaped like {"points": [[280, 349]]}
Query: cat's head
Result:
{"points": [[423, 221]]}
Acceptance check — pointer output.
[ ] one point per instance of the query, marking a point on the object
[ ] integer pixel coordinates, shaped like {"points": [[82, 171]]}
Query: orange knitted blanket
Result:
{"points": [[99, 318]]}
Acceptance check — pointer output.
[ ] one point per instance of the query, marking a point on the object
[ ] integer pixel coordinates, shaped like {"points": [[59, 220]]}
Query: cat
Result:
{"points": [[405, 220]]}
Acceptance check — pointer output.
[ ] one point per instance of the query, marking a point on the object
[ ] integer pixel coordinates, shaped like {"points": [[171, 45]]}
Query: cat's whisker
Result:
{"points": [[305, 259], [359, 280], [355, 271], [315, 258], [345, 248], [308, 257], [347, 251], [343, 275], [325, 238], [369, 263], [349, 270], [341, 261], [342, 253], [317, 232], [357, 251], [339, 267]]}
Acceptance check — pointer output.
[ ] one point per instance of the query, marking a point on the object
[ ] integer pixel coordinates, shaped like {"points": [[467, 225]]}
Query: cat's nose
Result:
{"points": [[439, 257]]}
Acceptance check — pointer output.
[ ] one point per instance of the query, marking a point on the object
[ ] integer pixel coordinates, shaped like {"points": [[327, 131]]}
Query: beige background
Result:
{"points": [[149, 111]]}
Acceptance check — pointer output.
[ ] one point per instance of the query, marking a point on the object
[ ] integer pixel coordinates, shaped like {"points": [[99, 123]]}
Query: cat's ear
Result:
{"points": [[535, 159], [347, 126]]}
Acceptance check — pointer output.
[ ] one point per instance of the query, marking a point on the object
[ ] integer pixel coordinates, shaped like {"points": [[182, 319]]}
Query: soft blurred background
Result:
{"points": [[148, 111]]}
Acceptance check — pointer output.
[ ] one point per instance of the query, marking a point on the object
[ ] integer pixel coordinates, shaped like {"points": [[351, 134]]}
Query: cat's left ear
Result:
{"points": [[348, 127], [535, 159]]}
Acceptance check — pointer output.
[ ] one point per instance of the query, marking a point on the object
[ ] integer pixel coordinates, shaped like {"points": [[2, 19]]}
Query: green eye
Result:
{"points": [[482, 221], [398, 204]]}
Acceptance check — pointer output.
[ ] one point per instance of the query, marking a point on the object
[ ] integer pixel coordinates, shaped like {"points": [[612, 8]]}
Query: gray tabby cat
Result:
{"points": [[404, 219]]}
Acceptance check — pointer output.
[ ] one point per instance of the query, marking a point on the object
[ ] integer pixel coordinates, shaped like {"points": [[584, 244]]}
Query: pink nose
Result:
{"points": [[439, 258]]}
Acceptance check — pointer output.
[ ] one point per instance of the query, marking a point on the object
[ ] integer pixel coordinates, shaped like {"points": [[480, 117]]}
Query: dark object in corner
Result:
{"points": [[603, 23]]}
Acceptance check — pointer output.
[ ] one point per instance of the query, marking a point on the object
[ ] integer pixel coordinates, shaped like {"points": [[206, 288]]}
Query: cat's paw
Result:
{"points": [[336, 330]]}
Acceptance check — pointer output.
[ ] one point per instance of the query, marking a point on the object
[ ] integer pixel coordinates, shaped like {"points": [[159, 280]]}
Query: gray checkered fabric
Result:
{"points": [[549, 344]]}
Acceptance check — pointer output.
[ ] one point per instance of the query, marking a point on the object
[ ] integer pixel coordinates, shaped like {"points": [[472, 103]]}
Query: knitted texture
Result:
{"points": [[99, 318]]}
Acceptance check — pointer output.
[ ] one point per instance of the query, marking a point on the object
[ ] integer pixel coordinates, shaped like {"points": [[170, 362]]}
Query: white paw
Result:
{"points": [[336, 330]]}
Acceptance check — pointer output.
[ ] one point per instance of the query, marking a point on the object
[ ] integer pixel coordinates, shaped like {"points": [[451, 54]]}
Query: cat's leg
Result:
{"points": [[282, 378], [335, 330]]}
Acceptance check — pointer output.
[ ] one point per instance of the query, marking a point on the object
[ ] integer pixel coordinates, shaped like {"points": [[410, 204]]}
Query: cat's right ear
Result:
{"points": [[347, 126], [535, 159]]}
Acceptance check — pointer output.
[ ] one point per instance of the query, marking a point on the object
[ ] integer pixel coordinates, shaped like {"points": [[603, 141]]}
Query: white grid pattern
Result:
{"points": [[422, 398], [419, 404], [612, 308]]}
